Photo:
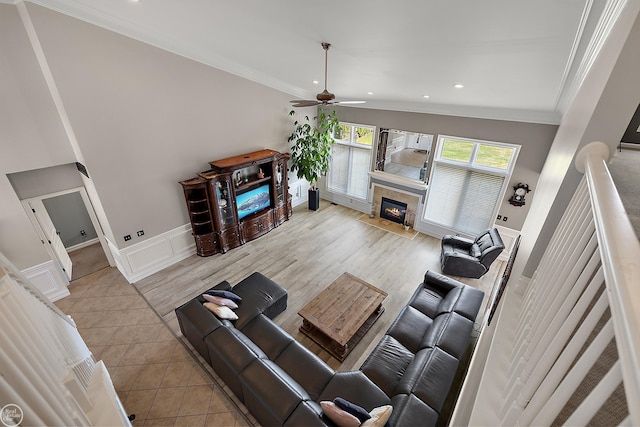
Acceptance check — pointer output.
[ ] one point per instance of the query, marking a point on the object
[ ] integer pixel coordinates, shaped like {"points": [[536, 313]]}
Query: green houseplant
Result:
{"points": [[311, 149]]}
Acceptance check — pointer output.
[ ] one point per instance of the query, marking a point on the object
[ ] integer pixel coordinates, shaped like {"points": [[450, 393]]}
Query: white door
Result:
{"points": [[50, 234]]}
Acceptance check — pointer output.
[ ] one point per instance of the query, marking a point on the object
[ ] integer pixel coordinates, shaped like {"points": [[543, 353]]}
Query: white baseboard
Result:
{"points": [[152, 255], [48, 279], [83, 244]]}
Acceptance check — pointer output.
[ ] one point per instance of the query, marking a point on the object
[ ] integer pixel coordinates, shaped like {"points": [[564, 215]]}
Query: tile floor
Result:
{"points": [[156, 378]]}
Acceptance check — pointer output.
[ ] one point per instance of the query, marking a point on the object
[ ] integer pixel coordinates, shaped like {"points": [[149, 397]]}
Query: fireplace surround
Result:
{"points": [[393, 210]]}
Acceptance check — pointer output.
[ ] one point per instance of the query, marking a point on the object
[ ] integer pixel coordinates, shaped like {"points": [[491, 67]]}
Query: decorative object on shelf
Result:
{"points": [[260, 173], [519, 191], [311, 150], [279, 174]]}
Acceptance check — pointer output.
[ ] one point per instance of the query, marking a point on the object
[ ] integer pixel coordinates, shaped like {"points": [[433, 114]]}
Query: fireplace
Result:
{"points": [[393, 210]]}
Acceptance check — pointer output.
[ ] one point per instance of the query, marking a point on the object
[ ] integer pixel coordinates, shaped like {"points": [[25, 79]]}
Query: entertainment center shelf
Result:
{"points": [[239, 199]]}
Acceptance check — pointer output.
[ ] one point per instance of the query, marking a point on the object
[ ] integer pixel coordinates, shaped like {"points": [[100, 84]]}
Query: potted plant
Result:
{"points": [[311, 150]]}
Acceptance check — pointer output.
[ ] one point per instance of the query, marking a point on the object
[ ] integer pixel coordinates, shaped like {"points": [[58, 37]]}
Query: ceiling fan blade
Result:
{"points": [[304, 102], [349, 102]]}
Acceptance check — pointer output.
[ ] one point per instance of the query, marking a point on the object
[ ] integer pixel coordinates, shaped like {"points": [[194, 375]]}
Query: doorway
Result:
{"points": [[70, 231]]}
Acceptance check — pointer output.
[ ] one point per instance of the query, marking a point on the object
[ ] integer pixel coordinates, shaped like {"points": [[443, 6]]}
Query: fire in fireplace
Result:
{"points": [[393, 210]]}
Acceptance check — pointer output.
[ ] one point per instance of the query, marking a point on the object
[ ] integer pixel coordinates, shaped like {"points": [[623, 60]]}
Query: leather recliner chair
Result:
{"points": [[470, 258]]}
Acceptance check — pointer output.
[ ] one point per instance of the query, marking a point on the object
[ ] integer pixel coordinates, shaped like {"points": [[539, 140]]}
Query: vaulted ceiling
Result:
{"points": [[517, 60]]}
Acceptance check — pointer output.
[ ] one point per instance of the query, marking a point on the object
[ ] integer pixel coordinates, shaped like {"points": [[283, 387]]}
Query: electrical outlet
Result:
{"points": [[127, 237], [140, 233], [504, 218], [499, 217]]}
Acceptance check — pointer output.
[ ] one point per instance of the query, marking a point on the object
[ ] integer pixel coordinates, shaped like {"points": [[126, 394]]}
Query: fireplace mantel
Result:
{"points": [[400, 182], [398, 188]]}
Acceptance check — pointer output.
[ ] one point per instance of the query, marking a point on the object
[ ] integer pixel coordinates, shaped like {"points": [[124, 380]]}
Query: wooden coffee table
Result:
{"points": [[341, 314]]}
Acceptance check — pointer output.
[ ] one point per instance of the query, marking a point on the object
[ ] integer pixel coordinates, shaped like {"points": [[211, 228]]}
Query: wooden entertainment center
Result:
{"points": [[239, 199]]}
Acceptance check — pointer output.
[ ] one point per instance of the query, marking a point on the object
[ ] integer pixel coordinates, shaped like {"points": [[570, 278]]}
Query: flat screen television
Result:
{"points": [[253, 201]]}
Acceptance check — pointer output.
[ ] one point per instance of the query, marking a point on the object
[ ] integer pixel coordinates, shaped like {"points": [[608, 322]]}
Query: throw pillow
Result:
{"points": [[338, 416], [358, 411], [224, 294], [220, 301], [379, 416], [221, 311]]}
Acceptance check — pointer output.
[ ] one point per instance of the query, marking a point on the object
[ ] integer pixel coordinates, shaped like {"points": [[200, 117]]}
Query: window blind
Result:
{"points": [[462, 199]]}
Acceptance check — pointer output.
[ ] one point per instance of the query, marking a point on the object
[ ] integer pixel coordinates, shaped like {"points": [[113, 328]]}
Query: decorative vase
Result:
{"points": [[314, 199]]}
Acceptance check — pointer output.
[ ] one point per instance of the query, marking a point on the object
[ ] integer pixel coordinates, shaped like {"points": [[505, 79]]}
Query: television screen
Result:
{"points": [[253, 201]]}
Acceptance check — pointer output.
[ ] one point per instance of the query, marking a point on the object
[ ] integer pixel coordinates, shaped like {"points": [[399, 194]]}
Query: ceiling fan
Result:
{"points": [[325, 97]]}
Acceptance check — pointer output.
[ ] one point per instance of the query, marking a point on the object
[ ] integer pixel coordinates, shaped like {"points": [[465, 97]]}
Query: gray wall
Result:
{"points": [[146, 118], [69, 214], [535, 140], [143, 118], [38, 182]]}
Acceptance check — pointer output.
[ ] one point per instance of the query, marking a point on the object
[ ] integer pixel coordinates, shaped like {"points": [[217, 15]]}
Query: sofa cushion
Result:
{"points": [[433, 384], [434, 335], [271, 338], [270, 394], [305, 368], [196, 322], [412, 373], [455, 335], [484, 242], [230, 351], [408, 410], [387, 363], [259, 295], [410, 327], [309, 414], [469, 302]]}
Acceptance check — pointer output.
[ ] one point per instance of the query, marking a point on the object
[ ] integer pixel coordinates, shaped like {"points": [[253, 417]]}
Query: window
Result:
{"points": [[467, 182], [351, 160]]}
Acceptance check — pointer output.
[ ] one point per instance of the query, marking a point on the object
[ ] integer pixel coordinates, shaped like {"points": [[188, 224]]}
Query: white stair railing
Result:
{"points": [[47, 374], [568, 350]]}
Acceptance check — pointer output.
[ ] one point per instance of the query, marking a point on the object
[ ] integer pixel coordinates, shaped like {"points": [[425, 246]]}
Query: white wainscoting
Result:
{"points": [[299, 191], [152, 255], [48, 279]]}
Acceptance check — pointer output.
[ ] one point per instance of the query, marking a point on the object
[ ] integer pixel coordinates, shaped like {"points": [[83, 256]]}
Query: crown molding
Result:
{"points": [[608, 20]]}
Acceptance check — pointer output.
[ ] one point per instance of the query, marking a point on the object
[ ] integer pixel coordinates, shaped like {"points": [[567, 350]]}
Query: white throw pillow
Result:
{"points": [[221, 311]]}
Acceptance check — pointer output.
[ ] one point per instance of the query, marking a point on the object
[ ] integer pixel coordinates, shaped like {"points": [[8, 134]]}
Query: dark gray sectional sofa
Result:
{"points": [[282, 383]]}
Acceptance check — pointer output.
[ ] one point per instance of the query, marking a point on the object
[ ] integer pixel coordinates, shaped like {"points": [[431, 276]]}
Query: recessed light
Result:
{"points": [[369, 93], [426, 96], [458, 86], [315, 82]]}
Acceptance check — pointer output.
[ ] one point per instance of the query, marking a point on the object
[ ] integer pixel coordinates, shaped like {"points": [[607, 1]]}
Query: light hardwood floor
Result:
{"points": [[306, 254]]}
